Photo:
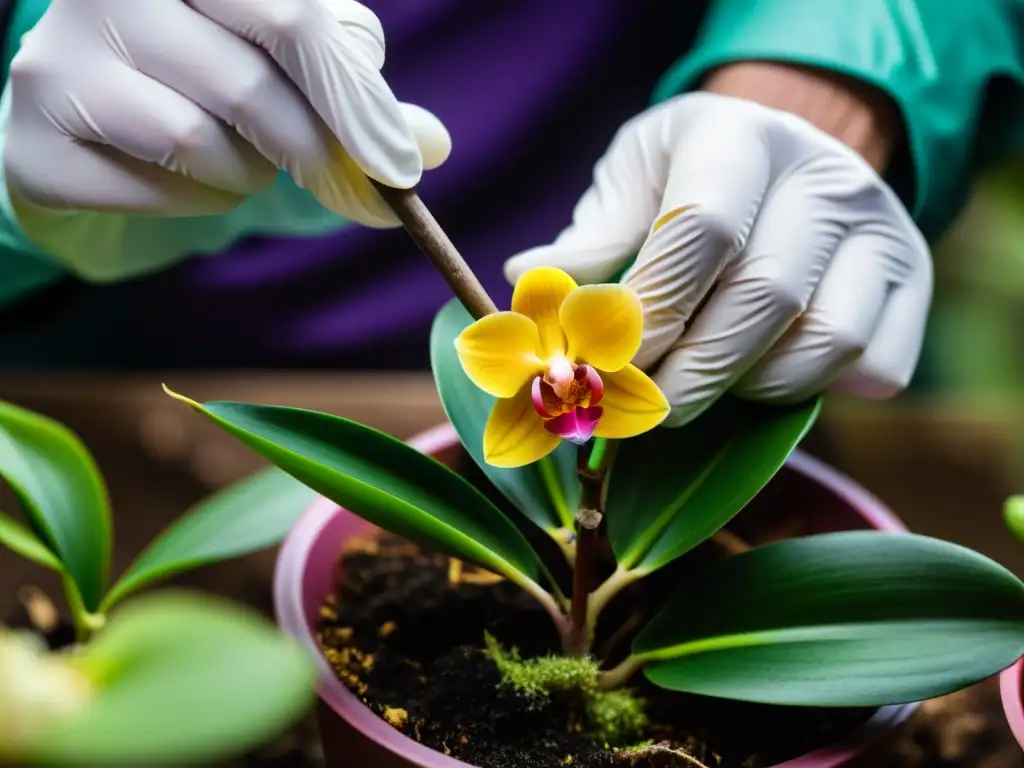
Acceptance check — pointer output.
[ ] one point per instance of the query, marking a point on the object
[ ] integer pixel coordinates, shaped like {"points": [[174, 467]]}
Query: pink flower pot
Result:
{"points": [[355, 736], [1010, 681]]}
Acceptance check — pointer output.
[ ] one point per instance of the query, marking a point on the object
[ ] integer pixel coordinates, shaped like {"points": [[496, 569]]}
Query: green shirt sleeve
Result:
{"points": [[92, 246], [955, 68]]}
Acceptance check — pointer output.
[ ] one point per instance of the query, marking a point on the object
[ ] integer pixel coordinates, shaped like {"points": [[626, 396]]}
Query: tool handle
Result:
{"points": [[438, 248]]}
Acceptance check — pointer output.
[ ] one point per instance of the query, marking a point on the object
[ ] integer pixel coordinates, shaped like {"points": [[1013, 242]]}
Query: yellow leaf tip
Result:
{"points": [[181, 398]]}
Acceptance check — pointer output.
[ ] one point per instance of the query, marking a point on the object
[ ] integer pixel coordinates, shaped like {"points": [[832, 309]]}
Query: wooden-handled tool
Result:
{"points": [[438, 248]]}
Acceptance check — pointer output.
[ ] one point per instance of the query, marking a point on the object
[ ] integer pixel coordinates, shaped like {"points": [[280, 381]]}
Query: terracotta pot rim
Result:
{"points": [[1011, 681], [289, 609]]}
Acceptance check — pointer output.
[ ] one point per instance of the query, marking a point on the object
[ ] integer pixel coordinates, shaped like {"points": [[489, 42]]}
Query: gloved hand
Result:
{"points": [[169, 109], [773, 261]]}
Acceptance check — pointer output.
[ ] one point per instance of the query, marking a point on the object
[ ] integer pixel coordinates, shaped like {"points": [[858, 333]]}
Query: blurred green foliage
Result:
{"points": [[975, 342]]}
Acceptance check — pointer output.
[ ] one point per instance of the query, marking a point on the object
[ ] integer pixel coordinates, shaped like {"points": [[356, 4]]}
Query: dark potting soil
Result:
{"points": [[405, 634]]}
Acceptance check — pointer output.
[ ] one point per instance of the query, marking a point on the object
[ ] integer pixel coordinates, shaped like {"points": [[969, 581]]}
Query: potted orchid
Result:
{"points": [[554, 579], [170, 678]]}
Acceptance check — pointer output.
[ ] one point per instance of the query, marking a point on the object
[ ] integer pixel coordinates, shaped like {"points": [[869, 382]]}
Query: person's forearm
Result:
{"points": [[858, 114]]}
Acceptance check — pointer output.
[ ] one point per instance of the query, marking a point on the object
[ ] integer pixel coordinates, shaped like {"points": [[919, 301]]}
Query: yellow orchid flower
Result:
{"points": [[559, 363]]}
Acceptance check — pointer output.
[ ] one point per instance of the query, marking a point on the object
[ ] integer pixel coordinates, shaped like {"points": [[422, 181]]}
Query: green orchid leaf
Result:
{"points": [[20, 539], [1014, 514], [674, 488], [859, 618], [253, 514], [548, 491], [63, 495], [181, 679], [384, 481]]}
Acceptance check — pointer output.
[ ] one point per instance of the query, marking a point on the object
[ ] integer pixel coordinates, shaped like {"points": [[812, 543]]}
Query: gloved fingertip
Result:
{"points": [[870, 386], [546, 256], [515, 266], [431, 135]]}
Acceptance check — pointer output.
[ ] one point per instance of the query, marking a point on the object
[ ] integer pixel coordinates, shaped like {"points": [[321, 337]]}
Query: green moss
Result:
{"points": [[543, 675], [615, 716]]}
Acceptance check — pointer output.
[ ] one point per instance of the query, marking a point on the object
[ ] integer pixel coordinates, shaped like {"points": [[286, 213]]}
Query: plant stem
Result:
{"points": [[583, 577], [598, 454], [442, 253], [604, 594], [551, 604], [86, 624], [619, 675], [592, 473]]}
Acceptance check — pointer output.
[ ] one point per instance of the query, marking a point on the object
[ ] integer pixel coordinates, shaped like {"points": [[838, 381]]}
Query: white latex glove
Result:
{"points": [[169, 109], [773, 261]]}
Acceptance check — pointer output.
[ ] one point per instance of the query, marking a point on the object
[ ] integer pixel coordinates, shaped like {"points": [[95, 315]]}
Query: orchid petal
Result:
{"points": [[515, 434], [594, 381], [499, 352], [632, 404], [545, 401], [603, 324], [576, 426], [539, 294]]}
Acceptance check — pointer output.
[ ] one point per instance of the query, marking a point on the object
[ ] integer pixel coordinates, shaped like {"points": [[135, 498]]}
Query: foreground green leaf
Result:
{"points": [[62, 493], [382, 480], [841, 619], [674, 488], [1014, 514], [253, 514], [546, 492], [21, 540], [181, 679]]}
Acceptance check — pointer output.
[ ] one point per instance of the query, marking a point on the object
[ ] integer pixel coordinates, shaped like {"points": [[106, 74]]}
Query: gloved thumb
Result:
{"points": [[346, 190], [613, 218]]}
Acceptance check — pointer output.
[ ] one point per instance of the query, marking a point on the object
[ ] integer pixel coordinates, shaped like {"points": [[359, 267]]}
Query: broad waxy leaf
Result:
{"points": [[858, 618], [20, 539], [178, 679], [384, 481], [1014, 515], [253, 514], [546, 492], [674, 488], [62, 493]]}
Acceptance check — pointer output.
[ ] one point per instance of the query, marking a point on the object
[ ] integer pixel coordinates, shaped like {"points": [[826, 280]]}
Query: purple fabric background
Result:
{"points": [[532, 92]]}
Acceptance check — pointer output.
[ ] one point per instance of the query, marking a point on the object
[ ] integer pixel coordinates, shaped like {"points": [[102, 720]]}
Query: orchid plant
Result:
{"points": [[546, 402], [162, 679]]}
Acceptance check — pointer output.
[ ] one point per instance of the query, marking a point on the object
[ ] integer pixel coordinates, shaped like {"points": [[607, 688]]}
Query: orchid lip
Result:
{"points": [[577, 426], [553, 397]]}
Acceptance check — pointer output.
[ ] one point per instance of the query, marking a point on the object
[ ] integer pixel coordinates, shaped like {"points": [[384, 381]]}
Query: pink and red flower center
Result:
{"points": [[566, 397]]}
